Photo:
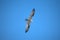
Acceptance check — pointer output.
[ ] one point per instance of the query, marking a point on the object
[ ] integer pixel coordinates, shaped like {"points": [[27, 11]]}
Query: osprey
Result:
{"points": [[29, 20]]}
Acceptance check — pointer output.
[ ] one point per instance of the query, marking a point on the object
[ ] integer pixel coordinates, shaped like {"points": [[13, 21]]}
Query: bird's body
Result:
{"points": [[29, 20]]}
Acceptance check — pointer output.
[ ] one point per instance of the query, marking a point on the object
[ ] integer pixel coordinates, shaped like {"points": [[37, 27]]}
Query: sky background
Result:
{"points": [[45, 24]]}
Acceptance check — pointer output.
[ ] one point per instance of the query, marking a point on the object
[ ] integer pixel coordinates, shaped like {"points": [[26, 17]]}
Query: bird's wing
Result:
{"points": [[28, 25], [32, 13], [27, 28]]}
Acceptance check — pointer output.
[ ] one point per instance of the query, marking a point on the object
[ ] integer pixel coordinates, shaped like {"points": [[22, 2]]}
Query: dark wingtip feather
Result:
{"points": [[33, 9], [26, 31]]}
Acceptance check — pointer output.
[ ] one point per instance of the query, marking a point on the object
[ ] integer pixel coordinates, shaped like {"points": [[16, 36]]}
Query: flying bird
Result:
{"points": [[29, 20]]}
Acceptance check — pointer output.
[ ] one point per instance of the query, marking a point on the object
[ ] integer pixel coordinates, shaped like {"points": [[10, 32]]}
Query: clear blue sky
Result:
{"points": [[45, 23]]}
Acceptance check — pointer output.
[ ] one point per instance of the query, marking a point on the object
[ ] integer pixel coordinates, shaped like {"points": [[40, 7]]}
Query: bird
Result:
{"points": [[29, 20]]}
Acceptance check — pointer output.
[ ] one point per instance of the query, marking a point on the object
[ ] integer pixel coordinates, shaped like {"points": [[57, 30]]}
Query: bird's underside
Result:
{"points": [[29, 20]]}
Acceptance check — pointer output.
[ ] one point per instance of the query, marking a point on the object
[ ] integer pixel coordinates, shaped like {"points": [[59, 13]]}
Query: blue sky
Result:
{"points": [[45, 24]]}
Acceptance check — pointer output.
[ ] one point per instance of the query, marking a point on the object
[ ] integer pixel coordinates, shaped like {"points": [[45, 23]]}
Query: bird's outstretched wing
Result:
{"points": [[27, 28], [29, 20], [32, 13]]}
